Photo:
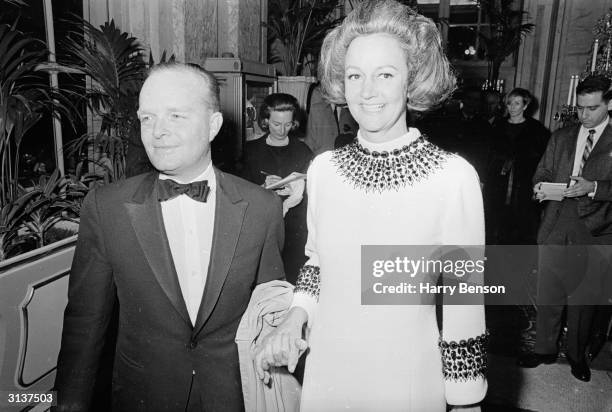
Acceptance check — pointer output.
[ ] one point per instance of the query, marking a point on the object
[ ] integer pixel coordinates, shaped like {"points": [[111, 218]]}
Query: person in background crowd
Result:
{"points": [[274, 156], [328, 126], [462, 131], [390, 187], [518, 144], [493, 109], [181, 250], [572, 268]]}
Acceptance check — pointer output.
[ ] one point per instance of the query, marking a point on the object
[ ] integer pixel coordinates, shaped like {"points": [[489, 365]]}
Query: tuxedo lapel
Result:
{"points": [[229, 214], [146, 216]]}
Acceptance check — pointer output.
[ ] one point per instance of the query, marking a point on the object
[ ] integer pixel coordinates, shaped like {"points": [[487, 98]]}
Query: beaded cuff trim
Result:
{"points": [[465, 360], [308, 281], [381, 171]]}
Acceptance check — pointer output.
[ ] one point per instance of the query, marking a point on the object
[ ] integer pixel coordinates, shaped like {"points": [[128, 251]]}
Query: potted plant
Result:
{"points": [[506, 33], [114, 62], [296, 30]]}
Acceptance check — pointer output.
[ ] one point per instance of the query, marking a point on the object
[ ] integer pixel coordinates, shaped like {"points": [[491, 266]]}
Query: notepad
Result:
{"points": [[553, 191], [283, 182]]}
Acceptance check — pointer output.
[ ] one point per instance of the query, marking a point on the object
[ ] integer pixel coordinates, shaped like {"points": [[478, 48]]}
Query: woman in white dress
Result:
{"points": [[390, 187]]}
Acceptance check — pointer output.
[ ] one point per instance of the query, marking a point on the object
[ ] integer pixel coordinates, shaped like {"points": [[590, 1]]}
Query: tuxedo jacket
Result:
{"points": [[163, 362], [556, 166]]}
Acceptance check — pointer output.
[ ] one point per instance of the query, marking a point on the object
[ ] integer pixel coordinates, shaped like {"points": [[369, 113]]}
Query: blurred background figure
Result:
{"points": [[328, 126], [274, 156], [518, 144], [493, 110], [459, 127]]}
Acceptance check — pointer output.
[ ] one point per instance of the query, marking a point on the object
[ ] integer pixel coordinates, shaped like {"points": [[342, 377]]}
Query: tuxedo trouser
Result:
{"points": [[568, 276]]}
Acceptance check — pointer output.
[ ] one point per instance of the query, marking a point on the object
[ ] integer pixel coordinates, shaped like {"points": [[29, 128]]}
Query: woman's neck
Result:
{"points": [[516, 119], [272, 141]]}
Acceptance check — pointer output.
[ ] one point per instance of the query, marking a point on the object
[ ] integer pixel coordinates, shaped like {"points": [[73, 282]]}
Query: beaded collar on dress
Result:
{"points": [[388, 166]]}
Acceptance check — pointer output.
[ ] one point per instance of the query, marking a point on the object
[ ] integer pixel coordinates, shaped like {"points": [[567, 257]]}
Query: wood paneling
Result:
{"points": [[559, 47], [200, 30]]}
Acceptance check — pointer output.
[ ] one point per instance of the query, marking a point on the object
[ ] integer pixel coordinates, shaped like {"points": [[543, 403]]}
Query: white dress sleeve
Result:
{"points": [[306, 292], [464, 337]]}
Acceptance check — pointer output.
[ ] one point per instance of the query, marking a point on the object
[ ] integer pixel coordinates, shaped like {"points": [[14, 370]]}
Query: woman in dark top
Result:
{"points": [[275, 156], [519, 142]]}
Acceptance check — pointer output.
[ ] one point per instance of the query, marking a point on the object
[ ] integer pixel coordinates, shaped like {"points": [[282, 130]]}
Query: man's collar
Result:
{"points": [[599, 128], [207, 174]]}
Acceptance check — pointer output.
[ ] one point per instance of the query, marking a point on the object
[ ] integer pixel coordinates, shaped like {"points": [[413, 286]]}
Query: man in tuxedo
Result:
{"points": [[582, 156], [180, 249]]}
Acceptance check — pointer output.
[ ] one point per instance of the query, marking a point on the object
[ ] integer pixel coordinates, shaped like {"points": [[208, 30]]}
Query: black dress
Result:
{"points": [[261, 160], [513, 214]]}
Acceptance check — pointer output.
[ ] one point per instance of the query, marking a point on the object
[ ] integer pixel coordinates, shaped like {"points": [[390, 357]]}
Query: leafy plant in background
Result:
{"points": [[296, 30], [114, 63], [54, 200], [24, 96], [507, 32], [12, 215], [30, 218]]}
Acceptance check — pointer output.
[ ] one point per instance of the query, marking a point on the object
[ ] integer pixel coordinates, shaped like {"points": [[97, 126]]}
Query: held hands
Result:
{"points": [[283, 346]]}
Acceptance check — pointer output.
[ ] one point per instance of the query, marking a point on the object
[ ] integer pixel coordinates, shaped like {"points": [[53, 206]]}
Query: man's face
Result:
{"points": [[176, 124], [592, 109]]}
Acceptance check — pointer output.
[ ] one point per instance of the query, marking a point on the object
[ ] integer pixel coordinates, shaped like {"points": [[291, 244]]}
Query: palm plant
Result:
{"points": [[300, 27], [24, 96], [53, 200], [114, 62], [507, 32], [35, 211], [12, 215]]}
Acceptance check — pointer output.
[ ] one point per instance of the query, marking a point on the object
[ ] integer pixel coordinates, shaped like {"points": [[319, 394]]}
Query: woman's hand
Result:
{"points": [[283, 346], [271, 179]]}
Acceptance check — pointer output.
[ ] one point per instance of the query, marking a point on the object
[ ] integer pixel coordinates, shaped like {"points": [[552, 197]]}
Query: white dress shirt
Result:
{"points": [[583, 134], [189, 226]]}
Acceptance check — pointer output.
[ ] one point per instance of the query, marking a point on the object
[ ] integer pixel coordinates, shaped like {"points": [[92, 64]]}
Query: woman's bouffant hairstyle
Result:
{"points": [[430, 78], [278, 102], [522, 93]]}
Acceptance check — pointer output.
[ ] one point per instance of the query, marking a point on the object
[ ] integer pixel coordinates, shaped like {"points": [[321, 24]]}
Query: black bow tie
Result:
{"points": [[169, 189]]}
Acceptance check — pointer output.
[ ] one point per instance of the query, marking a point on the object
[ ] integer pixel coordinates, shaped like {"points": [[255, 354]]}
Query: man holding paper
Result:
{"points": [[580, 158]]}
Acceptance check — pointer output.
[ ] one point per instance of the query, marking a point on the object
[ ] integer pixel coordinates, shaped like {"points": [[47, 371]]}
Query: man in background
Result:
{"points": [[573, 276]]}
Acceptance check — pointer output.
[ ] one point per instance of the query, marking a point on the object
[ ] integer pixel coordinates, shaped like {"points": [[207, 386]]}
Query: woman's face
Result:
{"points": [[279, 124], [375, 84], [516, 106]]}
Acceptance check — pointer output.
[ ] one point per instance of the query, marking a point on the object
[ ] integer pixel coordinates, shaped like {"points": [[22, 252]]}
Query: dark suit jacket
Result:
{"points": [[161, 359], [556, 166]]}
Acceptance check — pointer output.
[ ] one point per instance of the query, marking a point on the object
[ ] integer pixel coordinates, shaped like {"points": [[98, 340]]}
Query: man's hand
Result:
{"points": [[283, 346], [580, 188], [538, 193]]}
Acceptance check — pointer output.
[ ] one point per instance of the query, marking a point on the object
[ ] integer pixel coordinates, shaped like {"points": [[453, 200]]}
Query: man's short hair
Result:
{"points": [[212, 85], [593, 84]]}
